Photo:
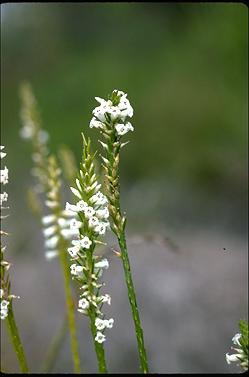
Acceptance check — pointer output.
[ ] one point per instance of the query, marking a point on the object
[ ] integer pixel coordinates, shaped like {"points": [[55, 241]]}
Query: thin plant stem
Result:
{"points": [[55, 347], [16, 341], [70, 306]]}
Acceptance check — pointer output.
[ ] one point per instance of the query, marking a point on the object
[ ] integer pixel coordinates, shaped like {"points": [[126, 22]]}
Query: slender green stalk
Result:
{"points": [[70, 307], [55, 347], [16, 341]]}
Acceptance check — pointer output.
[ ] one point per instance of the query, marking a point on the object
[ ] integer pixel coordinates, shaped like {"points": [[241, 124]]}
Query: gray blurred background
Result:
{"points": [[184, 174]]}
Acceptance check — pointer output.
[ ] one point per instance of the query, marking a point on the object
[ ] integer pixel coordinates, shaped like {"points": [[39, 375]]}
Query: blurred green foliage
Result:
{"points": [[184, 67]]}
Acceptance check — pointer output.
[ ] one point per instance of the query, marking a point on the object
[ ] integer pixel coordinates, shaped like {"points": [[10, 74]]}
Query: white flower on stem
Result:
{"points": [[103, 213], [236, 338], [71, 207], [105, 298], [68, 233], [4, 176], [83, 303], [50, 254], [101, 228], [99, 112], [100, 324], [102, 264], [4, 304], [50, 231], [122, 129], [73, 251], [51, 203], [100, 338], [43, 136], [109, 323], [27, 132], [76, 192], [46, 220], [75, 224], [52, 242], [1, 293], [3, 313], [93, 222], [3, 198], [85, 242], [114, 112], [99, 199], [63, 223], [89, 212], [2, 154], [232, 358], [81, 206], [94, 123], [75, 269]]}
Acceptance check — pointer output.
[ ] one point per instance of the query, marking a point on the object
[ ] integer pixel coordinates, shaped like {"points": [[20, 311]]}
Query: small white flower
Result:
{"points": [[236, 338], [43, 136], [102, 264], [2, 154], [85, 242], [121, 129], [100, 324], [103, 213], [231, 358], [51, 242], [89, 212], [99, 198], [101, 228], [50, 231], [75, 224], [3, 313], [50, 254], [75, 269], [130, 126], [4, 176], [114, 112], [46, 220], [73, 251], [93, 222], [27, 132], [63, 223], [71, 207], [81, 206], [68, 233], [99, 112], [83, 303], [4, 304], [51, 203], [106, 298], [3, 198], [1, 293], [100, 338], [109, 323], [76, 192], [95, 123]]}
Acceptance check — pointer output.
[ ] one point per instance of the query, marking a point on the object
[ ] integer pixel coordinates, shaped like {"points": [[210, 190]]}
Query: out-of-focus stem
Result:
{"points": [[15, 338]]}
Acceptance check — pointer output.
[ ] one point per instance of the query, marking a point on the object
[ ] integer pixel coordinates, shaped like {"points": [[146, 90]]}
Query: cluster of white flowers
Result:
{"points": [[116, 110], [86, 221], [239, 356]]}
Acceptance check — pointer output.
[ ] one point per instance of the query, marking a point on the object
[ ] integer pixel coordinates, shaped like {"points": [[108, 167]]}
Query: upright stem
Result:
{"points": [[15, 338], [70, 308], [133, 303]]}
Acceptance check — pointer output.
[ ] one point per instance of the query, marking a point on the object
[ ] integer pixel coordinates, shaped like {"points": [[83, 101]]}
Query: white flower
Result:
{"points": [[89, 212], [52, 242], [51, 203], [114, 112], [76, 192], [99, 323], [75, 224], [109, 323], [99, 112], [3, 313], [1, 293], [76, 270], [50, 254], [2, 154], [103, 213], [102, 264], [95, 123], [43, 136], [4, 176], [83, 303], [27, 132], [101, 228], [100, 338], [73, 251], [46, 220], [99, 199], [85, 242], [81, 206], [71, 207], [68, 233], [122, 129], [3, 198], [63, 223], [106, 298], [50, 231], [236, 339], [232, 358], [93, 222], [130, 126], [4, 304]]}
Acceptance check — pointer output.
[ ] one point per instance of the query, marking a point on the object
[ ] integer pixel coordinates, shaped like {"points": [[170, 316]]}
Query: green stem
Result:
{"points": [[16, 341], [70, 308], [55, 347], [133, 302], [99, 349]]}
